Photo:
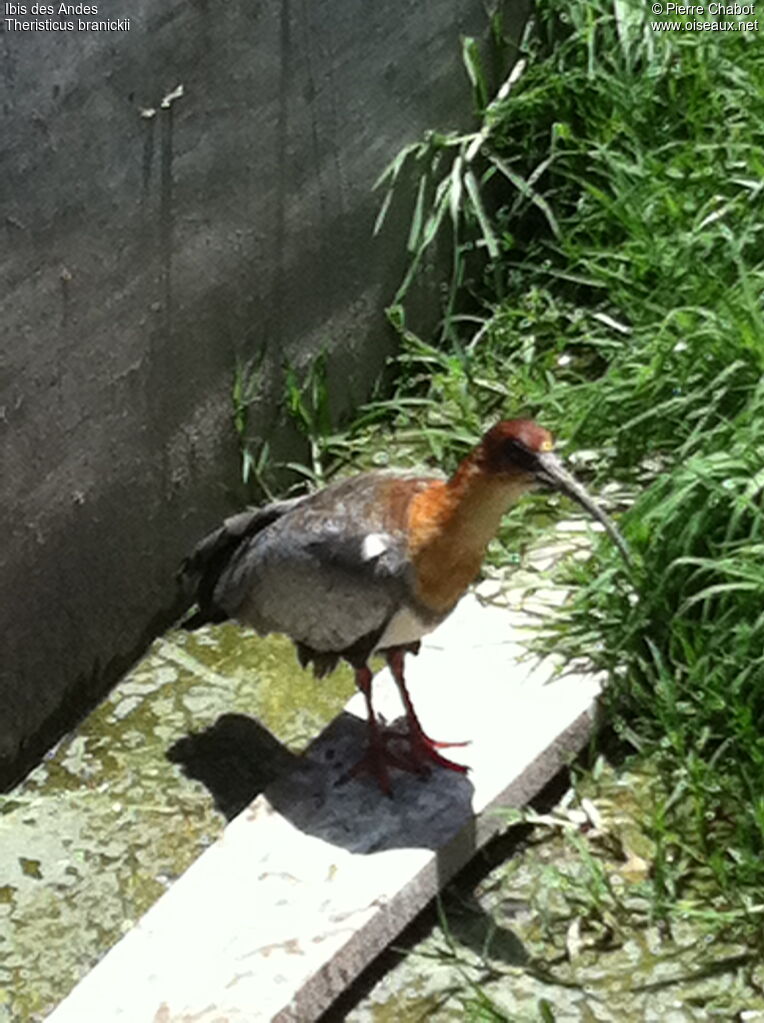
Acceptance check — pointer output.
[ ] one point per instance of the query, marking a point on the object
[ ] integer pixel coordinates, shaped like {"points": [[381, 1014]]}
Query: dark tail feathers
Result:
{"points": [[201, 570]]}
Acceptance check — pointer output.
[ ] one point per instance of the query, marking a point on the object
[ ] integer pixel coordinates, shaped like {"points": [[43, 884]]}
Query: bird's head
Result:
{"points": [[516, 448], [520, 450]]}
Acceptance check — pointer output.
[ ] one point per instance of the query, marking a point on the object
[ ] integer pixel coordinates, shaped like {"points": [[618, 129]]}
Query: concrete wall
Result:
{"points": [[141, 254]]}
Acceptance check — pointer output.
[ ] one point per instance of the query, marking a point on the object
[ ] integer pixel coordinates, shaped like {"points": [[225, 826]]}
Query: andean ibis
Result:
{"points": [[371, 564]]}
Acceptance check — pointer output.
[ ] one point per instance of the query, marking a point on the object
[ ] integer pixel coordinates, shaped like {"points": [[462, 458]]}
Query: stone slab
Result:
{"points": [[319, 874]]}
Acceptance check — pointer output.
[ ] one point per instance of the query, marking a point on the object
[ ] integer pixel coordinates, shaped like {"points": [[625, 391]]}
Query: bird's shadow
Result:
{"points": [[237, 758]]}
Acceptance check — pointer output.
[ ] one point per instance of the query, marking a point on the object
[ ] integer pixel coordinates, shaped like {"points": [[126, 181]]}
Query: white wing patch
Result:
{"points": [[374, 545], [405, 627]]}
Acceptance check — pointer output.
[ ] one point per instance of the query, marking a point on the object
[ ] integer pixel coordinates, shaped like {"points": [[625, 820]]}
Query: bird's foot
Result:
{"points": [[412, 751], [435, 744], [377, 760], [423, 751]]}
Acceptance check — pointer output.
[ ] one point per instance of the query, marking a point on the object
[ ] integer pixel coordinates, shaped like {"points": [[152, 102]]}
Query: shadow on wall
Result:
{"points": [[168, 234]]}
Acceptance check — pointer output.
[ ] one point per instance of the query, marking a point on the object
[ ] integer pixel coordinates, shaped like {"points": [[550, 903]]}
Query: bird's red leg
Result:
{"points": [[377, 756], [423, 748]]}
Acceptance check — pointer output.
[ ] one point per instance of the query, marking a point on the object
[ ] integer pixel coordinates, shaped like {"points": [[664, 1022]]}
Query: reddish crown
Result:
{"points": [[527, 433], [507, 447]]}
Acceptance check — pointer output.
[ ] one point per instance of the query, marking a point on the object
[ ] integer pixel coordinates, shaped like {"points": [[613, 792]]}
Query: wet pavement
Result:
{"points": [[118, 810], [100, 829]]}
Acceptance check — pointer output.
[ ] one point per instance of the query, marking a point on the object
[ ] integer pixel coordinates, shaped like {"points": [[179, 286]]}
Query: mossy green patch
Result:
{"points": [[564, 930], [105, 824]]}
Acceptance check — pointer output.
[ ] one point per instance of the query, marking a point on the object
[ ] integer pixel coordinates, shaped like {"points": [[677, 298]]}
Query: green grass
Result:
{"points": [[605, 221], [608, 273]]}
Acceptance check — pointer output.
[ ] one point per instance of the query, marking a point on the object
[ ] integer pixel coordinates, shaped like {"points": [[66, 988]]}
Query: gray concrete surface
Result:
{"points": [[145, 247], [319, 874]]}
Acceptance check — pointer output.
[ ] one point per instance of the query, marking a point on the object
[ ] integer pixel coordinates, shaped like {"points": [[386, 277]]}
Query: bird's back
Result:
{"points": [[330, 570]]}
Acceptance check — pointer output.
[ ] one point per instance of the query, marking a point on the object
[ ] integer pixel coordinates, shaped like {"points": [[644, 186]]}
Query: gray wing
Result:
{"points": [[201, 572], [330, 572]]}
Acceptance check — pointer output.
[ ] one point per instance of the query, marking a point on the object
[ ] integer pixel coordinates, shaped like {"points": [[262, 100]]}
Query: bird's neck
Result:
{"points": [[450, 526]]}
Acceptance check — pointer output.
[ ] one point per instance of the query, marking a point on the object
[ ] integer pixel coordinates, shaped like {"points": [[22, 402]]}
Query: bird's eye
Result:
{"points": [[517, 454]]}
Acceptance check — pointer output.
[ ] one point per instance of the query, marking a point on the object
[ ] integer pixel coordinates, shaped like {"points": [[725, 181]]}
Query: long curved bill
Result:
{"points": [[550, 471]]}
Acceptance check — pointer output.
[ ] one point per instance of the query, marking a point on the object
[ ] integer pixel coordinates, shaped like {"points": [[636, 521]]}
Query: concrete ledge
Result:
{"points": [[317, 875]]}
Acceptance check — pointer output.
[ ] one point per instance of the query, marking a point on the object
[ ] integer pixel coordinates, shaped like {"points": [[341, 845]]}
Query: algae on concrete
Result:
{"points": [[101, 828], [564, 930]]}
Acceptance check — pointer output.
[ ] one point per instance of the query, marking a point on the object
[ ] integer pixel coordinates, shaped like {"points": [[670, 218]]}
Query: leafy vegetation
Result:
{"points": [[615, 291], [608, 272], [605, 224]]}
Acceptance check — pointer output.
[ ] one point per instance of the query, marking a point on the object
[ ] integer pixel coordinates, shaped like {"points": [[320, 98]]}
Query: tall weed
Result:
{"points": [[612, 203]]}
